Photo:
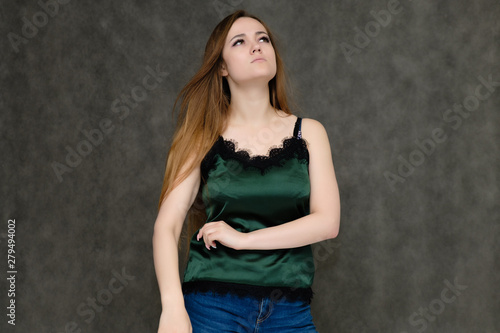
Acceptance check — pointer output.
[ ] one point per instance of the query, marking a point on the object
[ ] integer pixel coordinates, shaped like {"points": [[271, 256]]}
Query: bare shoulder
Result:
{"points": [[312, 125], [314, 133]]}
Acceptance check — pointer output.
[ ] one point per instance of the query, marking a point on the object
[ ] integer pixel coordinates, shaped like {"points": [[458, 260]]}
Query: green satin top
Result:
{"points": [[251, 193]]}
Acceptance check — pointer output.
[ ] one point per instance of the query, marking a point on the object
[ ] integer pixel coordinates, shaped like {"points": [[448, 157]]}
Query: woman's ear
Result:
{"points": [[223, 70]]}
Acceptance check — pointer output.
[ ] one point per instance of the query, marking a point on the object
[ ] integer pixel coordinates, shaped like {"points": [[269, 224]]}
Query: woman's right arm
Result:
{"points": [[167, 230]]}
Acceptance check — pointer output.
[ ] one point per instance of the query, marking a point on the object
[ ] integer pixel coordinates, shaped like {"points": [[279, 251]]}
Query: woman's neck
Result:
{"points": [[250, 106]]}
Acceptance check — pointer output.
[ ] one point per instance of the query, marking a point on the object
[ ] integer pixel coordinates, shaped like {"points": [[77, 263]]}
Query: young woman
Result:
{"points": [[258, 186]]}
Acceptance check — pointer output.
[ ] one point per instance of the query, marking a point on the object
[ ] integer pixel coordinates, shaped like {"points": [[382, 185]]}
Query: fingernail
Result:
{"points": [[214, 246]]}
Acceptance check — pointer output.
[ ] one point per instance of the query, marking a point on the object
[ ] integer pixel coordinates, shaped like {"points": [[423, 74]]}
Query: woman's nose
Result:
{"points": [[256, 47]]}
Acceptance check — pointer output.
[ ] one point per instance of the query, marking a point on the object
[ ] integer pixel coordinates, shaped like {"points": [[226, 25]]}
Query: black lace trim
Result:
{"points": [[245, 290], [291, 147]]}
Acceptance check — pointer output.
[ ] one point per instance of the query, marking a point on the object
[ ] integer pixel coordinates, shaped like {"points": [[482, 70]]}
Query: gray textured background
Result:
{"points": [[397, 245]]}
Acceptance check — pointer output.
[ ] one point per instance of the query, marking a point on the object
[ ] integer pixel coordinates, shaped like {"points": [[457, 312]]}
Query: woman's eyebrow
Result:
{"points": [[241, 35]]}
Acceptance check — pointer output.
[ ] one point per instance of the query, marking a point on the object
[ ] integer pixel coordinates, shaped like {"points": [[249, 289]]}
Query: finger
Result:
{"points": [[206, 240], [200, 234], [209, 243]]}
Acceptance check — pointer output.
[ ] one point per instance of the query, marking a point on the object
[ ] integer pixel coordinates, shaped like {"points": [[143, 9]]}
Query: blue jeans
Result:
{"points": [[211, 313]]}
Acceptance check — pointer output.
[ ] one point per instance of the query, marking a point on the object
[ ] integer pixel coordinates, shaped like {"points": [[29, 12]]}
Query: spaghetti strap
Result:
{"points": [[297, 133]]}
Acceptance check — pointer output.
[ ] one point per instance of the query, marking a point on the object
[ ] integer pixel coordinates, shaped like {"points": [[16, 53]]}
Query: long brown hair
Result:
{"points": [[203, 114]]}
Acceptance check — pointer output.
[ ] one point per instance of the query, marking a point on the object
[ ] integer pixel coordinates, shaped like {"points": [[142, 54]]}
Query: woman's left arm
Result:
{"points": [[323, 222]]}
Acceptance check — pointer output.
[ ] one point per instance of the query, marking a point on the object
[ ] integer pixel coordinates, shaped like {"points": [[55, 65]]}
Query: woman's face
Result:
{"points": [[248, 54]]}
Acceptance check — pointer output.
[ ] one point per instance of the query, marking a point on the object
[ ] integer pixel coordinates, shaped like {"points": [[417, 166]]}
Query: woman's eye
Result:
{"points": [[266, 39], [238, 42]]}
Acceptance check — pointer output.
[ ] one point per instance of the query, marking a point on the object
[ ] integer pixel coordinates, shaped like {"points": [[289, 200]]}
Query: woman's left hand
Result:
{"points": [[223, 233]]}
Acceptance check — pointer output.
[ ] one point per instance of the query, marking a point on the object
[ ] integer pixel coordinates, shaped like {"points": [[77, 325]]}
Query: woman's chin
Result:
{"points": [[262, 78]]}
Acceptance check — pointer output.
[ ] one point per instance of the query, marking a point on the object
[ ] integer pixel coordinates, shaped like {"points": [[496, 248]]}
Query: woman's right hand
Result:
{"points": [[175, 320]]}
